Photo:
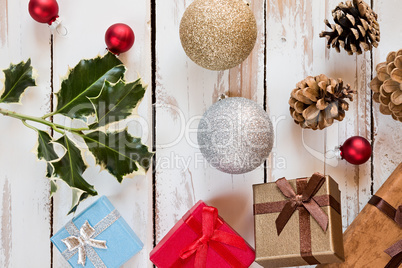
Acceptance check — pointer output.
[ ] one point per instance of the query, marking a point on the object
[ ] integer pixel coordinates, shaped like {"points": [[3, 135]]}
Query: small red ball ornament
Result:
{"points": [[44, 11], [119, 38], [356, 150]]}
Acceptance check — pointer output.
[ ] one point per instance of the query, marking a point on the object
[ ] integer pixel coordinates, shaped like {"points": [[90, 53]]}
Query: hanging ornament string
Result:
{"points": [[58, 27], [47, 11]]}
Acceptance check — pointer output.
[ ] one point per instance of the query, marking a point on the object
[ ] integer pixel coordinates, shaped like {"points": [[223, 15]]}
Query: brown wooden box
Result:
{"points": [[372, 231], [284, 250]]}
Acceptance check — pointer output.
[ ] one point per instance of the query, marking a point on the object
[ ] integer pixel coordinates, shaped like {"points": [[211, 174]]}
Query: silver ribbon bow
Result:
{"points": [[85, 239], [82, 241]]}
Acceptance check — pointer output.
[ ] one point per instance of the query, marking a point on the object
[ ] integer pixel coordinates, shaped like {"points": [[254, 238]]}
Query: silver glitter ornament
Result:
{"points": [[235, 135], [218, 34]]}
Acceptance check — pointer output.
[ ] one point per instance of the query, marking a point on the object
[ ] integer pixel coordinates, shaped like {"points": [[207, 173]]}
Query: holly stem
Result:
{"points": [[34, 128], [29, 126], [48, 115], [24, 118]]}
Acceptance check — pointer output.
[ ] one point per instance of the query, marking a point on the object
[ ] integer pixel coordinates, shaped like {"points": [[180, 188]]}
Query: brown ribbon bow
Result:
{"points": [[304, 199], [395, 251]]}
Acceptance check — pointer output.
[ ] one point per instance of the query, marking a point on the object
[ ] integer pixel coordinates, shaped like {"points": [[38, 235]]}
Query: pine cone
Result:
{"points": [[318, 101], [387, 85], [355, 27]]}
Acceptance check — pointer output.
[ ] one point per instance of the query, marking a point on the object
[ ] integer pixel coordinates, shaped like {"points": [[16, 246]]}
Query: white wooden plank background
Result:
{"points": [[287, 50]]}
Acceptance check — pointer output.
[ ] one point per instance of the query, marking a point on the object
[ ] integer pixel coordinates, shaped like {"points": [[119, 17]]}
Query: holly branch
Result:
{"points": [[94, 88]]}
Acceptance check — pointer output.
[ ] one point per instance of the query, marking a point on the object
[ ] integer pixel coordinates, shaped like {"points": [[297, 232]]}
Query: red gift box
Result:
{"points": [[202, 239]]}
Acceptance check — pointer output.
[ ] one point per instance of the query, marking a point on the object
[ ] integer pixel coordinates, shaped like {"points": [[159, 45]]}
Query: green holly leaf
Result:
{"points": [[86, 81], [53, 187], [17, 79], [45, 151], [78, 197], [119, 152], [117, 101], [70, 169]]}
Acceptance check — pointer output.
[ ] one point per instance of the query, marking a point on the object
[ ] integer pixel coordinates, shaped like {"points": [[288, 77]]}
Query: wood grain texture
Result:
{"points": [[3, 23], [6, 226], [246, 80], [183, 94], [291, 53], [25, 216], [85, 39], [354, 181], [295, 50], [291, 36], [287, 50], [387, 132]]}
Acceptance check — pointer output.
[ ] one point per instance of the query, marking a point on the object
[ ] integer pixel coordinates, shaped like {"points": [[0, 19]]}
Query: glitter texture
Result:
{"points": [[218, 34], [235, 135]]}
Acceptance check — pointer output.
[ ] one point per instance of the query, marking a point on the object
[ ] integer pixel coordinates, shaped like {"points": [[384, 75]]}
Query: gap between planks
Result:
{"points": [[265, 80], [153, 83], [51, 208], [372, 119]]}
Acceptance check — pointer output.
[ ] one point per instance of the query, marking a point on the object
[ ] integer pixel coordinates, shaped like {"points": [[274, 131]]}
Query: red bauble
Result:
{"points": [[119, 38], [44, 11], [356, 150]]}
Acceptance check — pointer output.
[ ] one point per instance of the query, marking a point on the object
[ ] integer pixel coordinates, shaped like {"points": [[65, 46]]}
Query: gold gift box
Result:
{"points": [[372, 231], [273, 250]]}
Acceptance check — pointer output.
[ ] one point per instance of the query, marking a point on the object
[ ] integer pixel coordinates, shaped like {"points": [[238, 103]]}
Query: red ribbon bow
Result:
{"points": [[304, 199], [209, 235], [395, 251]]}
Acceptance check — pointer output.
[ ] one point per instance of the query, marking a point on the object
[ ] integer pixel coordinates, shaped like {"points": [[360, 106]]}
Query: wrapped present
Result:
{"points": [[298, 222], [373, 238], [97, 237], [202, 239], [395, 252]]}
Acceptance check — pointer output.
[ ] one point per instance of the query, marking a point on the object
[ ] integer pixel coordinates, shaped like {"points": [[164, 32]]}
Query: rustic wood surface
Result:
{"points": [[287, 50]]}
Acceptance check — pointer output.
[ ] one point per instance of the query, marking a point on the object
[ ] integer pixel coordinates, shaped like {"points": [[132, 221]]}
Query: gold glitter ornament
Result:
{"points": [[218, 34]]}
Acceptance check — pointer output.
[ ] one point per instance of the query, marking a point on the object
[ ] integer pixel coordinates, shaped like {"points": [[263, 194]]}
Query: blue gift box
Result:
{"points": [[100, 235]]}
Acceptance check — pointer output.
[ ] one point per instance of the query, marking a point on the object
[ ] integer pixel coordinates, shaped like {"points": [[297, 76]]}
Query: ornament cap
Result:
{"points": [[335, 153], [57, 25], [338, 153], [222, 97]]}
